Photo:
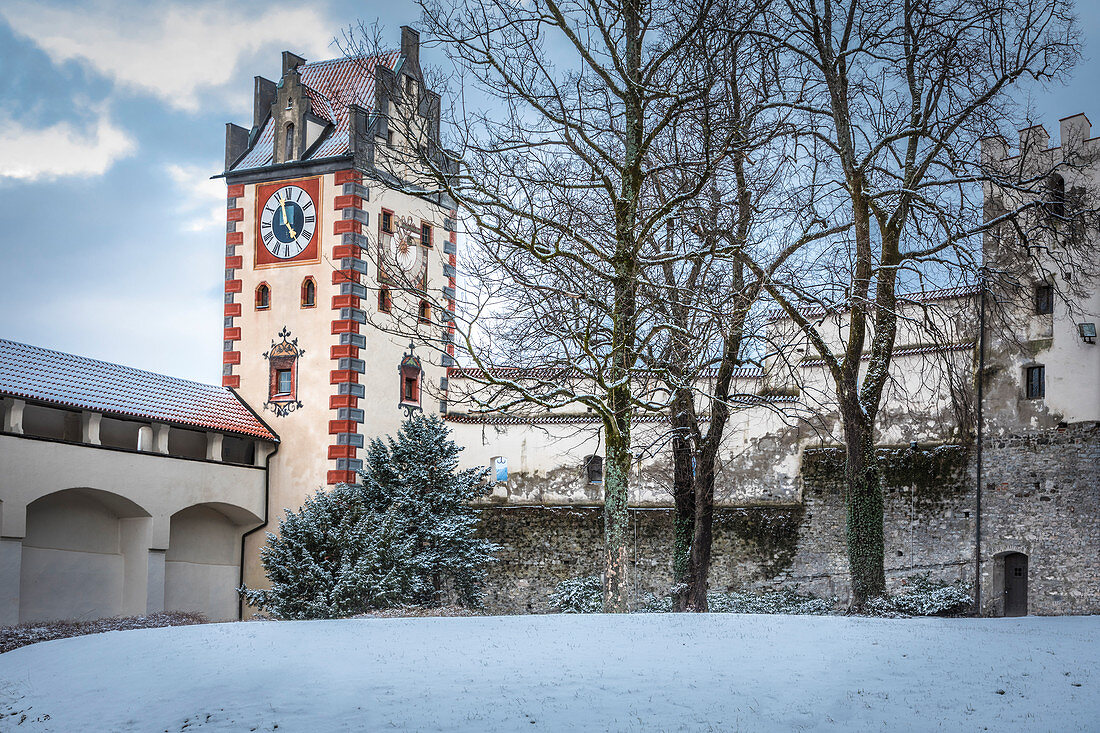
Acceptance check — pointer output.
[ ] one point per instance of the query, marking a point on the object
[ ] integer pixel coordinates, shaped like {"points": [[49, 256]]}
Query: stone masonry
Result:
{"points": [[1042, 498]]}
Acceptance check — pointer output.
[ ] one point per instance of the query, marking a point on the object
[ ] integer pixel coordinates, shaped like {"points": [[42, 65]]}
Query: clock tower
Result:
{"points": [[337, 282]]}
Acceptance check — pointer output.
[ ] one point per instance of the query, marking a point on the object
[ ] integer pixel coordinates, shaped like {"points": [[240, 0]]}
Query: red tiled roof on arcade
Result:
{"points": [[35, 373]]}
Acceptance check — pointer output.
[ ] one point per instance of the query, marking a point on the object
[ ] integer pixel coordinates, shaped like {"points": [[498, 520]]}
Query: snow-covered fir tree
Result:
{"points": [[336, 557], [405, 535], [415, 478]]}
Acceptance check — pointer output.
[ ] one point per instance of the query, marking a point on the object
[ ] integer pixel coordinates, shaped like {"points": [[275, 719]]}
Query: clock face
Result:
{"points": [[287, 222]]}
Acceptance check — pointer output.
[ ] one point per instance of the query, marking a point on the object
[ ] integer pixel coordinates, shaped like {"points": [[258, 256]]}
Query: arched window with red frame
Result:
{"points": [[425, 313], [309, 293], [263, 297], [385, 303]]}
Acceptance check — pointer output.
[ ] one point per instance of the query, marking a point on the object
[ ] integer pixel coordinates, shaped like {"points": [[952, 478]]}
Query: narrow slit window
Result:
{"points": [[288, 145], [425, 312], [384, 301]]}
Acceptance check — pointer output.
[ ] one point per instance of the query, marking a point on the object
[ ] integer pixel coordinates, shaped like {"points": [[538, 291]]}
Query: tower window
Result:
{"points": [[1056, 195], [425, 314], [411, 392], [309, 293], [387, 221], [263, 297], [288, 146], [593, 466], [385, 303], [1044, 299], [284, 381], [1036, 382], [426, 235]]}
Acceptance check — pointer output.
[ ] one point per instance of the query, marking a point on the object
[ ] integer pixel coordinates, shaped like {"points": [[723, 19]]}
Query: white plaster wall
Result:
{"points": [[200, 569], [91, 552], [68, 584], [208, 589]]}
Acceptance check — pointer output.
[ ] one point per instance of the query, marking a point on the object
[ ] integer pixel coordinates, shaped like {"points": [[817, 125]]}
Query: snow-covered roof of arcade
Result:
{"points": [[332, 86], [34, 373]]}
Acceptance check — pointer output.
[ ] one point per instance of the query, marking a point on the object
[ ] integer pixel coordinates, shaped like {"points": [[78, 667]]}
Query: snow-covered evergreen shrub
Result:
{"points": [[923, 597], [335, 557], [414, 479], [784, 601], [926, 597], [578, 595]]}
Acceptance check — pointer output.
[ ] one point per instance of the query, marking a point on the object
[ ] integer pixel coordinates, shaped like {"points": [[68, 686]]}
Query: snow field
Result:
{"points": [[666, 672]]}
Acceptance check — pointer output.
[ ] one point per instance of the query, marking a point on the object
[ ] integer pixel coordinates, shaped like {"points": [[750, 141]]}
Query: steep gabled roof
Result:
{"points": [[34, 373], [331, 86]]}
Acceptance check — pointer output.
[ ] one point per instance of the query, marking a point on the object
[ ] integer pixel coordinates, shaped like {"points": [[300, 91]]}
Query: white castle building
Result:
{"points": [[125, 492]]}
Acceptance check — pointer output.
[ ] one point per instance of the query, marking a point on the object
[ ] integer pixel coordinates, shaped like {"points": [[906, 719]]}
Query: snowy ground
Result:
{"points": [[556, 673]]}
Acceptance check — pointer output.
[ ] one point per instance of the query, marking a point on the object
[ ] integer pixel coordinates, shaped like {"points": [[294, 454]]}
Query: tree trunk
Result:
{"points": [[704, 528], [616, 525], [683, 494], [866, 546]]}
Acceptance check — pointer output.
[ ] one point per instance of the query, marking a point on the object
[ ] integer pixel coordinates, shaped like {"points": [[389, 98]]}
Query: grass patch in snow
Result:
{"points": [[13, 637]]}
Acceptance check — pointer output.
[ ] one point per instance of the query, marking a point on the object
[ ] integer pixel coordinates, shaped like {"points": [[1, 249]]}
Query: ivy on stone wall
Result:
{"points": [[769, 532], [927, 477]]}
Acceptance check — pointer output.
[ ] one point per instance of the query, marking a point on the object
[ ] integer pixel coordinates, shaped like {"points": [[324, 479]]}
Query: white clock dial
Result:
{"points": [[287, 222]]}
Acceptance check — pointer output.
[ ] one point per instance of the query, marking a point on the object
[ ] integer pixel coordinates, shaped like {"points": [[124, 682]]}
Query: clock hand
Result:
{"points": [[286, 219]]}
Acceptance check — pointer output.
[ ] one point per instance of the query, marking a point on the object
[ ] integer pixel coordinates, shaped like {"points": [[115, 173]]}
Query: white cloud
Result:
{"points": [[173, 54], [62, 149], [202, 200]]}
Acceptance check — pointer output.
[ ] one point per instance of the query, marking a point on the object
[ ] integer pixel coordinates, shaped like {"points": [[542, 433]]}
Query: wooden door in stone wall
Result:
{"points": [[1015, 584]]}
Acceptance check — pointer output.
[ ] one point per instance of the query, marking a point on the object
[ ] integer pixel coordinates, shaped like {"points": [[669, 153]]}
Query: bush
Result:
{"points": [[585, 595], [335, 557], [923, 597], [782, 601], [415, 477], [578, 595], [404, 536], [926, 597]]}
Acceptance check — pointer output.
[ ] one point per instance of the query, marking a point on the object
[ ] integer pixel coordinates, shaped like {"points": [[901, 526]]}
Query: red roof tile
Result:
{"points": [[40, 374]]}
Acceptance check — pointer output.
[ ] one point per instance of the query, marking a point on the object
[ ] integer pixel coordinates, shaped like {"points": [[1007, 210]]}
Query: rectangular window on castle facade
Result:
{"points": [[284, 381], [1036, 382], [1044, 299]]}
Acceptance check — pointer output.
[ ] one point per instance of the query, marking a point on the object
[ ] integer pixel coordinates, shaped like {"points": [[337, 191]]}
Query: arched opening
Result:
{"points": [[202, 565], [263, 297], [85, 556], [385, 303], [425, 314], [309, 293], [1015, 583]]}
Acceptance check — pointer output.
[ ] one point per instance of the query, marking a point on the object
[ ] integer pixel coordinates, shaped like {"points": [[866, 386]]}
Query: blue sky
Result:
{"points": [[113, 121]]}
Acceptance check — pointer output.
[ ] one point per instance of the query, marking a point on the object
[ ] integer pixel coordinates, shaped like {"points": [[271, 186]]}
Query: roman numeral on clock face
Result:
{"points": [[268, 237], [310, 219]]}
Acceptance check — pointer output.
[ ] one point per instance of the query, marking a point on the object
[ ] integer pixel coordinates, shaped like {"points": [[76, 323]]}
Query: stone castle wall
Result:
{"points": [[1041, 497], [930, 528]]}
